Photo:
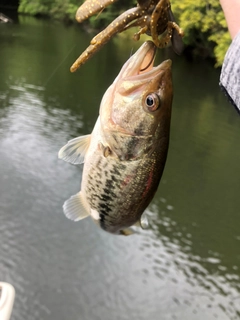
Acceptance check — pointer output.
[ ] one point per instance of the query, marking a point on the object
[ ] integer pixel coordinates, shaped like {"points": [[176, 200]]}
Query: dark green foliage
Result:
{"points": [[59, 9], [34, 7], [204, 26]]}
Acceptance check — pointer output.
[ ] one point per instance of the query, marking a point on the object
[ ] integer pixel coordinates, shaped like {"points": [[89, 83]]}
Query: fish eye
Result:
{"points": [[152, 101]]}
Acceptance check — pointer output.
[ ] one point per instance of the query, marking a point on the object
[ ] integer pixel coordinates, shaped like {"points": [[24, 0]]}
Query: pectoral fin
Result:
{"points": [[75, 150], [75, 208]]}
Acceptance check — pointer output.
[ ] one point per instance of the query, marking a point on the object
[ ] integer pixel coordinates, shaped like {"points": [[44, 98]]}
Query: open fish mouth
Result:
{"points": [[140, 65], [148, 60]]}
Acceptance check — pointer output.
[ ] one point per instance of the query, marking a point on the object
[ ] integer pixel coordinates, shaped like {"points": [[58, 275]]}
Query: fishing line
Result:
{"points": [[99, 13], [131, 52], [56, 69]]}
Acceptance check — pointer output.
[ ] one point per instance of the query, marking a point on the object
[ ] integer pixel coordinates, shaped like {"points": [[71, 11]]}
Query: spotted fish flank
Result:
{"points": [[125, 154]]}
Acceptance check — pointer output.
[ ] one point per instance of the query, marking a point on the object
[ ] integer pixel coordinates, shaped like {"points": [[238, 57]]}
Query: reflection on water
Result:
{"points": [[186, 266]]}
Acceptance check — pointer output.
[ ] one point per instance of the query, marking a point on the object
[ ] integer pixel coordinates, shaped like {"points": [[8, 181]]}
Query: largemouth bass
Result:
{"points": [[125, 154]]}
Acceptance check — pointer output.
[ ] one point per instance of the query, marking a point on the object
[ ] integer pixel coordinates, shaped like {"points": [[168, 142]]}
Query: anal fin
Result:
{"points": [[74, 208], [142, 222]]}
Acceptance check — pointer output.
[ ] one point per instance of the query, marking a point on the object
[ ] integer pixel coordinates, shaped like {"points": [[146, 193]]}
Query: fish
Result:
{"points": [[125, 155]]}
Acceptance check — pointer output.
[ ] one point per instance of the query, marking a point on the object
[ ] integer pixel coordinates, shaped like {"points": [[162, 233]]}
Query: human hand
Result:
{"points": [[231, 9]]}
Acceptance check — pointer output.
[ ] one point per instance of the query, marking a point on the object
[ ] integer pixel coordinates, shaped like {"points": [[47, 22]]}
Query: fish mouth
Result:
{"points": [[140, 65], [148, 60]]}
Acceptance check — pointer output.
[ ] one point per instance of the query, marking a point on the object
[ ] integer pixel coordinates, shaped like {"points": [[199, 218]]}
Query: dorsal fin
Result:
{"points": [[75, 150]]}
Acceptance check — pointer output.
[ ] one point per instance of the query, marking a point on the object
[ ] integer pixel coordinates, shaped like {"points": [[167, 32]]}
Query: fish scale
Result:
{"points": [[116, 199]]}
